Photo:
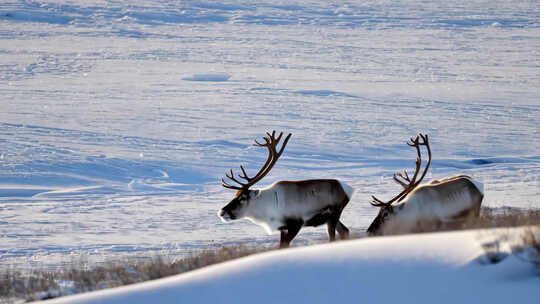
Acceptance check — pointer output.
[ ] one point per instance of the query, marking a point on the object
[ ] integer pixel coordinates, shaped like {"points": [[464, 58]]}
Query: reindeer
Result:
{"points": [[287, 206], [451, 198]]}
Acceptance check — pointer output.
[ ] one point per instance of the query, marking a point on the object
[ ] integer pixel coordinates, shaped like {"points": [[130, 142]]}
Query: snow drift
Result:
{"points": [[426, 268]]}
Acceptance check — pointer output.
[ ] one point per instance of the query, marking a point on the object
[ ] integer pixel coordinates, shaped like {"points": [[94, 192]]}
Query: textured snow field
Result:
{"points": [[117, 121]]}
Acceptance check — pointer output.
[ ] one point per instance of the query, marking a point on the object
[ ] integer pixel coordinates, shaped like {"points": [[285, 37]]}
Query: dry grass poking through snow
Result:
{"points": [[500, 217], [16, 287], [529, 248]]}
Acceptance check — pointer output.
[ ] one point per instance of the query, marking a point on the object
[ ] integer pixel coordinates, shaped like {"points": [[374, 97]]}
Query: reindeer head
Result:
{"points": [[236, 208], [387, 210]]}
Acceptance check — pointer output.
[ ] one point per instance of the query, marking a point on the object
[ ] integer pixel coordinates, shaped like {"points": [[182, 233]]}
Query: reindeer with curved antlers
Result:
{"points": [[287, 206], [450, 198]]}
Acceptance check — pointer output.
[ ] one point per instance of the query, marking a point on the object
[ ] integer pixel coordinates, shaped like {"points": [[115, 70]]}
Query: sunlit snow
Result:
{"points": [[428, 268], [118, 119]]}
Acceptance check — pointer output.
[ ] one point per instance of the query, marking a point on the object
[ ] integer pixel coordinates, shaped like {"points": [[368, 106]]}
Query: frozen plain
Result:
{"points": [[117, 121]]}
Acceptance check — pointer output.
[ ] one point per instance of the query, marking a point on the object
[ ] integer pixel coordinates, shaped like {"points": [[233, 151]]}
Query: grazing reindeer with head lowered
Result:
{"points": [[287, 206], [418, 206]]}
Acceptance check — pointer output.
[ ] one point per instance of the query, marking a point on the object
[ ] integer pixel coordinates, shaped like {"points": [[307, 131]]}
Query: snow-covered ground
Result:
{"points": [[429, 268], [118, 119]]}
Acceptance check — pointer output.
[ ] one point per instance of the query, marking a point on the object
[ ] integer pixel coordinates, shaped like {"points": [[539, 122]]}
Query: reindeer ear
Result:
{"points": [[254, 193]]}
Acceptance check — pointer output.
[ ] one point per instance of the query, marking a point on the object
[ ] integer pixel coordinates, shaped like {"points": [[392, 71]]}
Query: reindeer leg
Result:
{"points": [[342, 230], [290, 231], [283, 240], [331, 224]]}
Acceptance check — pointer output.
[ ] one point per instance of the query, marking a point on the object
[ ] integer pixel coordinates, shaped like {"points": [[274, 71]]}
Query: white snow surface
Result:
{"points": [[429, 268], [118, 119]]}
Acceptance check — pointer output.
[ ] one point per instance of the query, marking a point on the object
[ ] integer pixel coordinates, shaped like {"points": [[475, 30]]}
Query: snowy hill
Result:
{"points": [[426, 268]]}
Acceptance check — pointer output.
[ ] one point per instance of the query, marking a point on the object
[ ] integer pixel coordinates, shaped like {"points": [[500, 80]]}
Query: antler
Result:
{"points": [[271, 143], [403, 179]]}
